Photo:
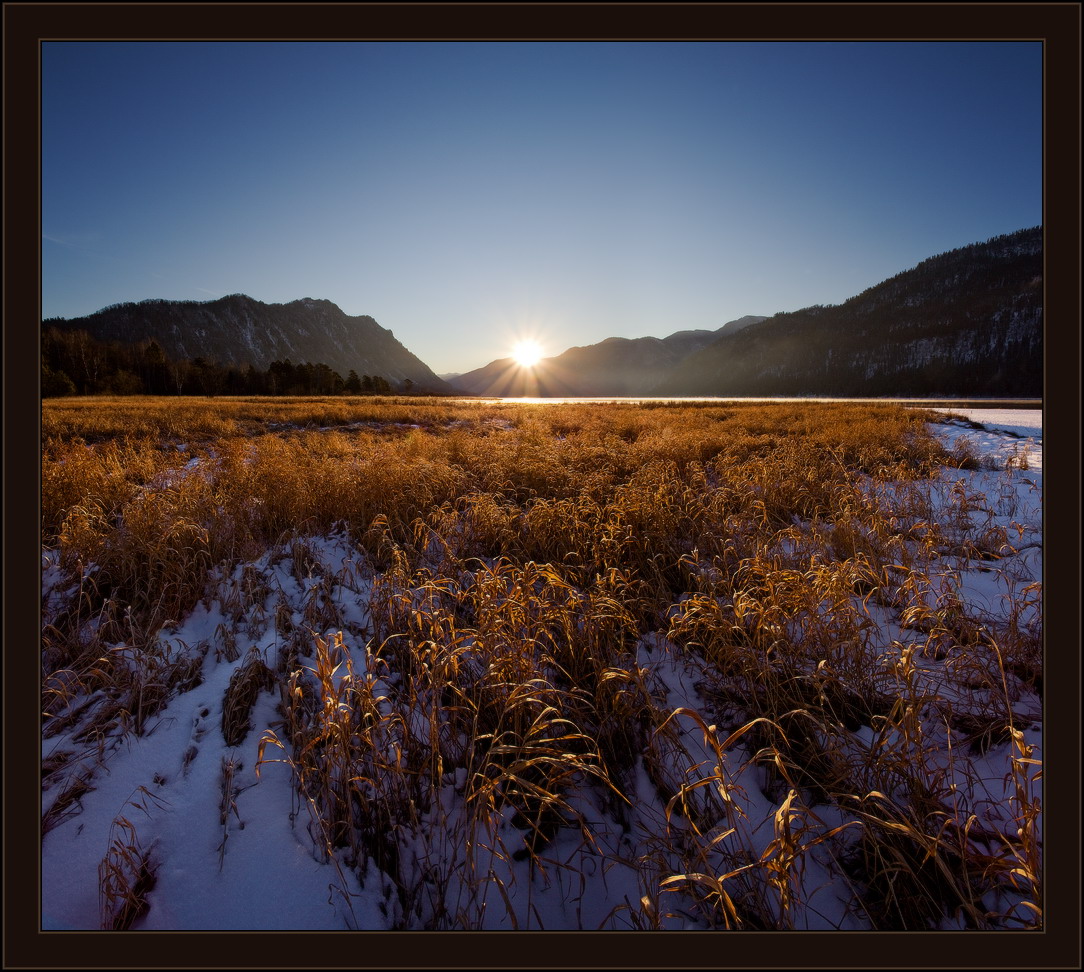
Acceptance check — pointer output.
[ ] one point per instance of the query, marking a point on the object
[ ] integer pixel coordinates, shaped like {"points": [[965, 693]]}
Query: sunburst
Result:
{"points": [[527, 353]]}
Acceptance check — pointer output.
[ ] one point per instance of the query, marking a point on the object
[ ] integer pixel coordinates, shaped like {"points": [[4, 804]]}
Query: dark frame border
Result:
{"points": [[1056, 24]]}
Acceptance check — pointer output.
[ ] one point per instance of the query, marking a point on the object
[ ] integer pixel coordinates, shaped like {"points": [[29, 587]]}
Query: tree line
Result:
{"points": [[75, 363]]}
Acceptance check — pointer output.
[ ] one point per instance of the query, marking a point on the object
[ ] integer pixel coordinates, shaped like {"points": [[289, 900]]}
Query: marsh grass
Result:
{"points": [[246, 683], [126, 874], [67, 803], [514, 560]]}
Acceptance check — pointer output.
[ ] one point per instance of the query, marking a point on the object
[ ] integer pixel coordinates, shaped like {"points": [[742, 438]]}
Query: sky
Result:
{"points": [[472, 195]]}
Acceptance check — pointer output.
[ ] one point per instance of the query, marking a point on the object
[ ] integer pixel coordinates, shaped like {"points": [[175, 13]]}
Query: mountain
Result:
{"points": [[732, 327], [237, 330], [622, 367], [966, 322]]}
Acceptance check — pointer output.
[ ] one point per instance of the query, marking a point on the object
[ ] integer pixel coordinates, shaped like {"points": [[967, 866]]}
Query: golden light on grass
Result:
{"points": [[511, 560]]}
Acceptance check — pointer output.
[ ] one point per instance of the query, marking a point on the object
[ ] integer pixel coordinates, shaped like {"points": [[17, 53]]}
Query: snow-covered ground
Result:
{"points": [[233, 850], [1006, 433]]}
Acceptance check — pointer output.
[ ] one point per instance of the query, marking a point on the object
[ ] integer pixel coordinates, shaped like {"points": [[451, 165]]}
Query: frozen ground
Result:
{"points": [[1005, 433], [231, 850]]}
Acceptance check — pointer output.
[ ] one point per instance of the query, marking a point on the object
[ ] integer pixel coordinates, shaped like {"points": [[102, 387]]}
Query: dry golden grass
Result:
{"points": [[127, 872], [517, 556]]}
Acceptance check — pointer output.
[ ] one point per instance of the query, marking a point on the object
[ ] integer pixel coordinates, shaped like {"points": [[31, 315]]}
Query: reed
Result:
{"points": [[513, 566], [126, 874]]}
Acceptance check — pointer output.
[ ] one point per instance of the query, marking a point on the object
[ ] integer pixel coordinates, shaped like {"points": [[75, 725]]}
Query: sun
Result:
{"points": [[527, 354]]}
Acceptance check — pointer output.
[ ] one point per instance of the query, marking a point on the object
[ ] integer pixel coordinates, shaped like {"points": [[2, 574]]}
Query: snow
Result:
{"points": [[1005, 433], [258, 865]]}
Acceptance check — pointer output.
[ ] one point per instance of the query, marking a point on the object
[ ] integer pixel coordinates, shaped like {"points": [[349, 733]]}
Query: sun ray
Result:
{"points": [[527, 353]]}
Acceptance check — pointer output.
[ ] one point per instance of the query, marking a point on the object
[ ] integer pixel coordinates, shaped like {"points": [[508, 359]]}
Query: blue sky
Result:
{"points": [[467, 195]]}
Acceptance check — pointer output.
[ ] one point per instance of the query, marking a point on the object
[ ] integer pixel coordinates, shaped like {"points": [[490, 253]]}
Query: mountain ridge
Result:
{"points": [[965, 322], [618, 366], [239, 330]]}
